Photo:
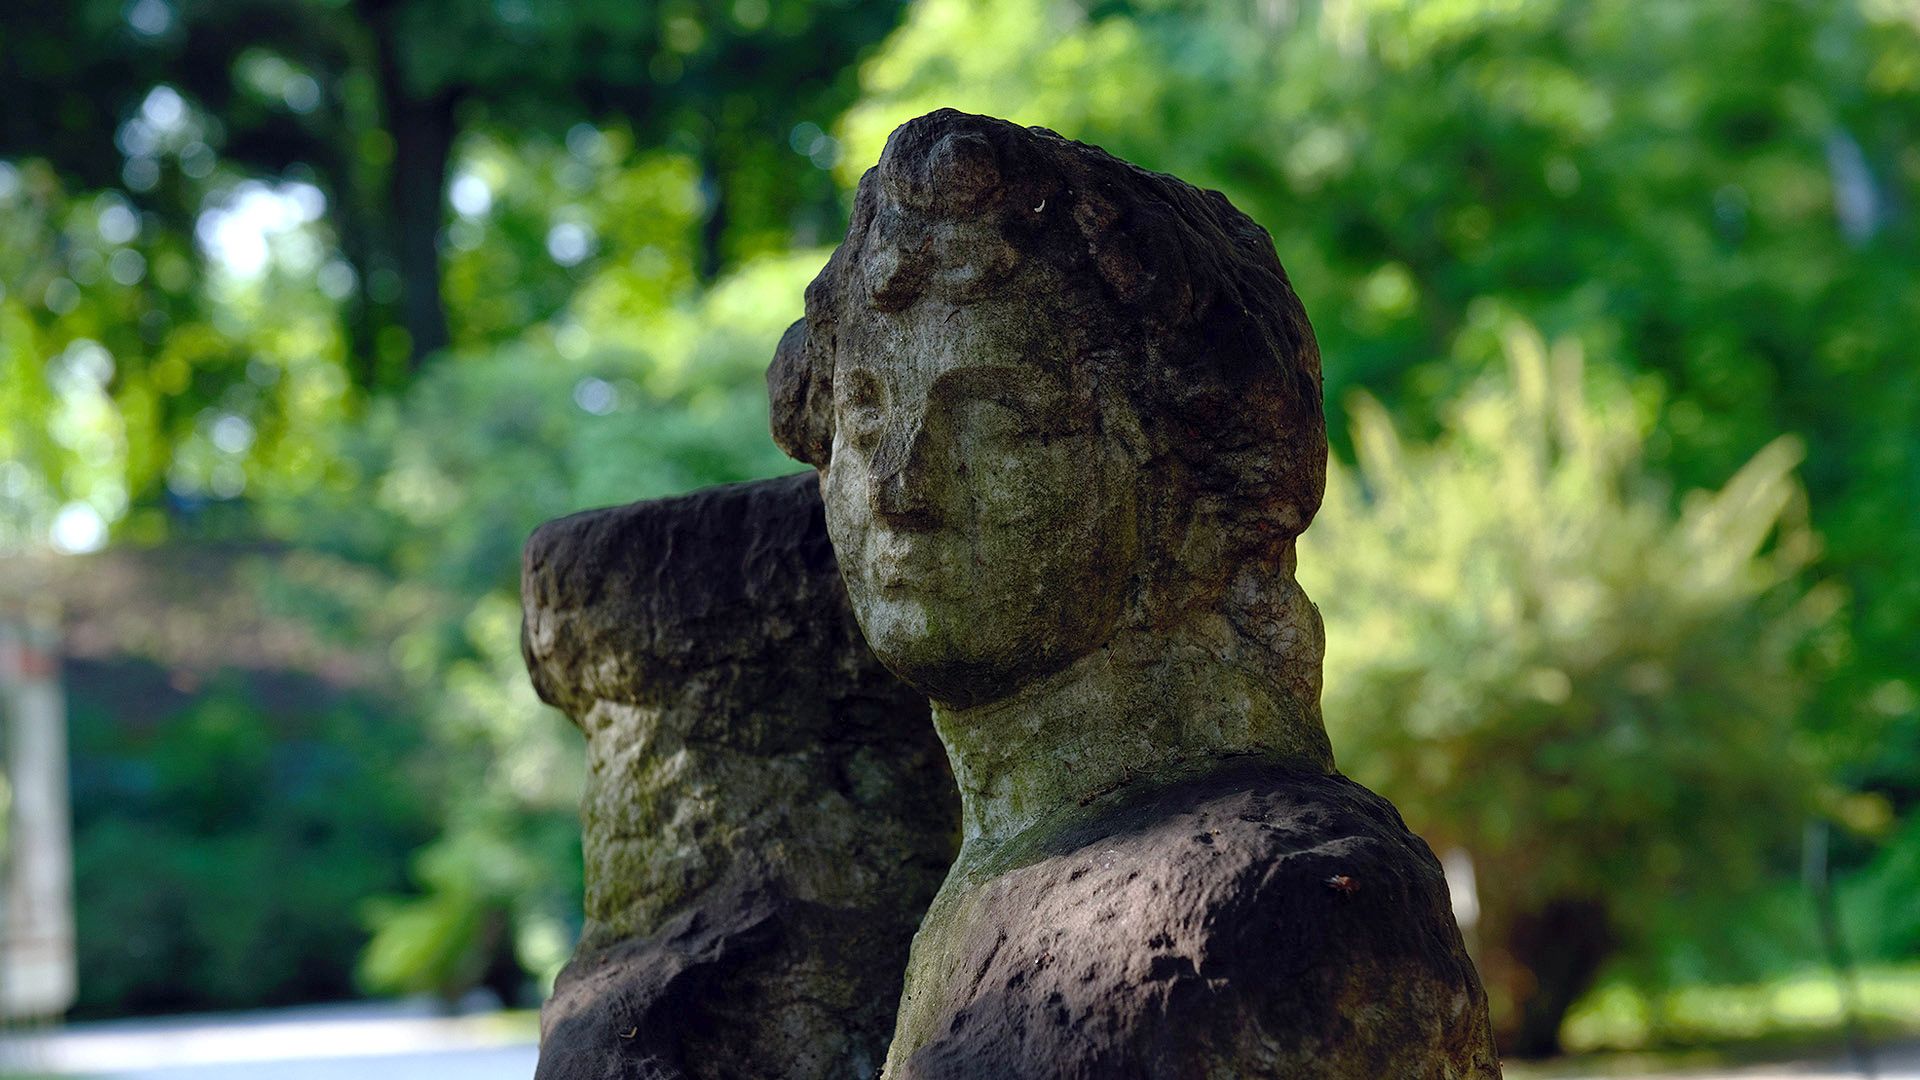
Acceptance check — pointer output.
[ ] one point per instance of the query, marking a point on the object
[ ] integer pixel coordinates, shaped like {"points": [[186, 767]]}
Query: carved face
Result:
{"points": [[983, 511]]}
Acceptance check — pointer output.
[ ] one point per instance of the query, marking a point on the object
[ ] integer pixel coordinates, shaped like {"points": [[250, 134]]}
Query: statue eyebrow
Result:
{"points": [[854, 376], [1036, 393], [1039, 395]]}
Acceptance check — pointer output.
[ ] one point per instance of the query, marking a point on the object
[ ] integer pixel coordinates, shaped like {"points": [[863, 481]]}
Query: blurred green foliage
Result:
{"points": [[1801, 1009], [1517, 608], [222, 836], [366, 100], [1595, 624]]}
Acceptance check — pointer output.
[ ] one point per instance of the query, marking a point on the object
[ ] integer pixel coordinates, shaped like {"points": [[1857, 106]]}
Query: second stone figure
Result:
{"points": [[767, 812]]}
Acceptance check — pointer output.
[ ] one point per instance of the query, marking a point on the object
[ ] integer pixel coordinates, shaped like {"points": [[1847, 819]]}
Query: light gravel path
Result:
{"points": [[1901, 1062], [1896, 1063], [374, 1042], [410, 1041]]}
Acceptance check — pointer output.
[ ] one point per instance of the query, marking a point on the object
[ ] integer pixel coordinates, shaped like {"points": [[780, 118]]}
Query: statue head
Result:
{"points": [[1056, 401]]}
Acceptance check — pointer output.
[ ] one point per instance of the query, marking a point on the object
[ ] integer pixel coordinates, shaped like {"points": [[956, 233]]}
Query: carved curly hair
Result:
{"points": [[1190, 311]]}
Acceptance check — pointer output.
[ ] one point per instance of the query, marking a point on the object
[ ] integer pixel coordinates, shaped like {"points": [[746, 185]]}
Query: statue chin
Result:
{"points": [[959, 658]]}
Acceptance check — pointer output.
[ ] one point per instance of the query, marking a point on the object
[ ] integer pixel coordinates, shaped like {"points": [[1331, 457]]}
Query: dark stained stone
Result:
{"points": [[1258, 922], [767, 809], [1067, 417]]}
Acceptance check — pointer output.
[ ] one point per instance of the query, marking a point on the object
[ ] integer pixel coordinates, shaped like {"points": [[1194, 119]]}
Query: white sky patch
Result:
{"points": [[118, 223], [82, 366], [585, 141], [337, 279], [150, 17], [238, 232], [569, 243], [197, 160], [301, 93], [141, 173], [307, 200], [164, 108], [595, 396], [78, 528], [232, 434], [470, 195], [137, 139], [127, 266]]}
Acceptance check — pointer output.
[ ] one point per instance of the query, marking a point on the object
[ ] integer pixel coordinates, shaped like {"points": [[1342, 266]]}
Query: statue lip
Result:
{"points": [[895, 577], [901, 561]]}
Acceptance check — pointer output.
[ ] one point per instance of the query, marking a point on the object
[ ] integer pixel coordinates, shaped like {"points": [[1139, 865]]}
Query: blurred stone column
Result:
{"points": [[37, 975], [768, 811]]}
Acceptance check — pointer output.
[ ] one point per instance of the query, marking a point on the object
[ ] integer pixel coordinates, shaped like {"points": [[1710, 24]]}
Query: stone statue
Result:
{"points": [[767, 810], [1067, 418]]}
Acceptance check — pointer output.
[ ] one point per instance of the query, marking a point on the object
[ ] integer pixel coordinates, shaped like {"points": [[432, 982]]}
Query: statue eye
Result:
{"points": [[861, 404], [862, 390]]}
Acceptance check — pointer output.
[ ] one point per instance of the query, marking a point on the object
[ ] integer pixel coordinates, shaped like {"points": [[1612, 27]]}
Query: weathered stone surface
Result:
{"points": [[1258, 921], [767, 809], [1067, 416]]}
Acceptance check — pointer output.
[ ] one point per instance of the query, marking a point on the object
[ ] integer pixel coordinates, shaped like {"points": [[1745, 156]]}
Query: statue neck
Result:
{"points": [[1143, 708]]}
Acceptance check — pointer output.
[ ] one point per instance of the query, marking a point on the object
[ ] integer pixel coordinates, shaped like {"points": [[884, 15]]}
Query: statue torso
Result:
{"points": [[1257, 921]]}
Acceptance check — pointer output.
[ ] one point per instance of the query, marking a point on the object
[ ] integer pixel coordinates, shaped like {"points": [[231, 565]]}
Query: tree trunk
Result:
{"points": [[423, 131], [1560, 949], [360, 316], [713, 231]]}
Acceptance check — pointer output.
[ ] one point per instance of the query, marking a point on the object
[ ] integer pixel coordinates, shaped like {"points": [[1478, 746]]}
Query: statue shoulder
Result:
{"points": [[1226, 926]]}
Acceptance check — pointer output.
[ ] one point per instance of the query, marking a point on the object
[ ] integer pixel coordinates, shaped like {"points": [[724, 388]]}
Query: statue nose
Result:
{"points": [[903, 484]]}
